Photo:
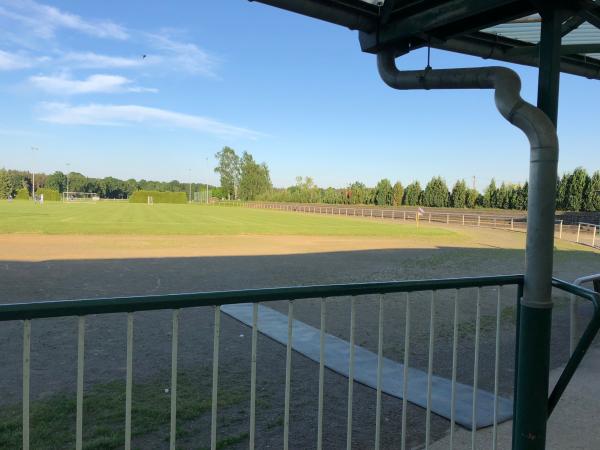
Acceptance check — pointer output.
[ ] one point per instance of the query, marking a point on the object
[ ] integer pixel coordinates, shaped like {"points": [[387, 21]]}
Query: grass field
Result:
{"points": [[163, 219]]}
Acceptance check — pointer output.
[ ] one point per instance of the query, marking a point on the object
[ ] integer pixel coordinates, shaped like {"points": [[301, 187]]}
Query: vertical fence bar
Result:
{"points": [[560, 230], [430, 369], [351, 374], [578, 230], [454, 369], [215, 379], [174, 346], [288, 376], [379, 369], [128, 381], [80, 367], [476, 371], [497, 369], [321, 376], [26, 380], [405, 374], [252, 436], [594, 237]]}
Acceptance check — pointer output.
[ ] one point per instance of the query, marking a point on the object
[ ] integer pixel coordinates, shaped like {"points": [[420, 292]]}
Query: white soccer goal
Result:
{"points": [[80, 197], [150, 200]]}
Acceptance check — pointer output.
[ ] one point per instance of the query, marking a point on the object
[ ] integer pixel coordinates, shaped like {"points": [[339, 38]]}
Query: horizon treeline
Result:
{"points": [[13, 181], [242, 178], [575, 191]]}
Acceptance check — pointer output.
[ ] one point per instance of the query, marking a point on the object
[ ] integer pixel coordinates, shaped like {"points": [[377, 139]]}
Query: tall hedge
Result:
{"points": [[23, 194], [50, 195], [158, 197]]}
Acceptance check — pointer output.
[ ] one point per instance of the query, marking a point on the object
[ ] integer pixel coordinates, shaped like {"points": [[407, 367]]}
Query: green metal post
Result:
{"points": [[533, 351]]}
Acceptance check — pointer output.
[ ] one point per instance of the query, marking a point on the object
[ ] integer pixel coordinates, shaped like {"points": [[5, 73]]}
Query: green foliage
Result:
{"points": [[254, 179], [158, 197], [458, 198], [5, 185], [436, 193], [412, 194], [591, 194], [518, 199], [50, 195], [472, 198], [575, 187], [384, 194], [57, 181], [398, 194], [22, 194], [489, 195], [358, 193], [229, 169]]}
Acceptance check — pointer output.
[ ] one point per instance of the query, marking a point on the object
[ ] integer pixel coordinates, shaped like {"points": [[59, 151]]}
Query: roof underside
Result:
{"points": [[505, 30]]}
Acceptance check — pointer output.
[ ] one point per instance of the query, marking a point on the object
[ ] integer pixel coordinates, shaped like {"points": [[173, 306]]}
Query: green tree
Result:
{"points": [[254, 178], [358, 193], [229, 170], [471, 198], [503, 196], [436, 193], [384, 193], [458, 198], [561, 191], [591, 194], [22, 194], [398, 193], [5, 185], [412, 194], [57, 181], [575, 187], [489, 195]]}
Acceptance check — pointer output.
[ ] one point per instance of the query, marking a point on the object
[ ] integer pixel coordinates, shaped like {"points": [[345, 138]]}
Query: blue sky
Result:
{"points": [[295, 92]]}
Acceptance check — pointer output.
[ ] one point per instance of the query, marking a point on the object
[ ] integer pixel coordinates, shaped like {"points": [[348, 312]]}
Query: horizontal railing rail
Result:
{"points": [[61, 308]]}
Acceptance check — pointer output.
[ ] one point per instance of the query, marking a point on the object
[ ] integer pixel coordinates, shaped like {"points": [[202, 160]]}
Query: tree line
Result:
{"points": [[13, 181], [576, 191]]}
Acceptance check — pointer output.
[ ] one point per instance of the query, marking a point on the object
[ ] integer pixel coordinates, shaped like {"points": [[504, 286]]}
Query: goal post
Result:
{"points": [[78, 197]]}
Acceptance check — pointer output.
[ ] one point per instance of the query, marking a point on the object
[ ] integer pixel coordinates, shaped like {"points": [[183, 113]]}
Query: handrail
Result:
{"points": [[584, 342], [21, 311]]}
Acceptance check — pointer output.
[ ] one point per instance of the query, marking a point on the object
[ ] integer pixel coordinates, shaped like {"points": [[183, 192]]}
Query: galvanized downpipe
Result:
{"points": [[533, 352]]}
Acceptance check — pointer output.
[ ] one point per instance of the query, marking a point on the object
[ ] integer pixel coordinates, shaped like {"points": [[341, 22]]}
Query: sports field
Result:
{"points": [[67, 251], [164, 219]]}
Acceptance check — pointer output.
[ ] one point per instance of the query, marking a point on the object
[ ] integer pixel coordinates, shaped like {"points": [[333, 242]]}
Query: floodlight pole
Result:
{"points": [[535, 316], [33, 150], [68, 170], [207, 181]]}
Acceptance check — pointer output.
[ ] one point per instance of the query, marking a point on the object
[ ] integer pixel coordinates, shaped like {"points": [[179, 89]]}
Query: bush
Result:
{"points": [[50, 195], [23, 194], [158, 197]]}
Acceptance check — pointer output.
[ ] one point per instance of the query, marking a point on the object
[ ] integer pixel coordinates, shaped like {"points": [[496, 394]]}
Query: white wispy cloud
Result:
{"points": [[182, 55], [65, 85], [118, 115], [14, 61], [45, 20], [92, 60]]}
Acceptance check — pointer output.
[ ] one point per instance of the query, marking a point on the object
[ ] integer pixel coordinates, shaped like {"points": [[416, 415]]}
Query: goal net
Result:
{"points": [[80, 197]]}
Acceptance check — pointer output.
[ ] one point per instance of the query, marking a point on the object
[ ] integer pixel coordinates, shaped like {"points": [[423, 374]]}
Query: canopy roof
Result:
{"points": [[506, 30]]}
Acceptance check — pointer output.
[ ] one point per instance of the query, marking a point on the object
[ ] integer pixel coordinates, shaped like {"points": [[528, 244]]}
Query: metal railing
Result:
{"points": [[29, 312]]}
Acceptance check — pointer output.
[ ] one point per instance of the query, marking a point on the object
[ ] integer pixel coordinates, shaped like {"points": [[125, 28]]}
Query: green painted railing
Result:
{"points": [[175, 302]]}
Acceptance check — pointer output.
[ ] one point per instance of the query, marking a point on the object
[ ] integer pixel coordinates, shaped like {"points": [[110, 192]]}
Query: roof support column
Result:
{"points": [[533, 348]]}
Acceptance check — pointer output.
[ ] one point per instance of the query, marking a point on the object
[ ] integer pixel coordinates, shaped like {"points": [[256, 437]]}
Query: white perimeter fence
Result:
{"points": [[581, 233]]}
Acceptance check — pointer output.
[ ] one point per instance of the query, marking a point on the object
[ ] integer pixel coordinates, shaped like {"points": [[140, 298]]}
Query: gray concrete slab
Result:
{"points": [[306, 340]]}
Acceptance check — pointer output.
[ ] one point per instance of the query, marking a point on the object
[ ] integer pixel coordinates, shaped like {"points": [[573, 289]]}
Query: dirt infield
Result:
{"points": [[42, 267], [40, 247]]}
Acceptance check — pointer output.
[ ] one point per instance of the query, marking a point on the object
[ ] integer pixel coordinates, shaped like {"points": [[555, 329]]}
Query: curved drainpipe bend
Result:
{"points": [[543, 140]]}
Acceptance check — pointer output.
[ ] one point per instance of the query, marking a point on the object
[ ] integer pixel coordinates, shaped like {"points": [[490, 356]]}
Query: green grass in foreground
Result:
{"points": [[162, 219], [52, 419]]}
